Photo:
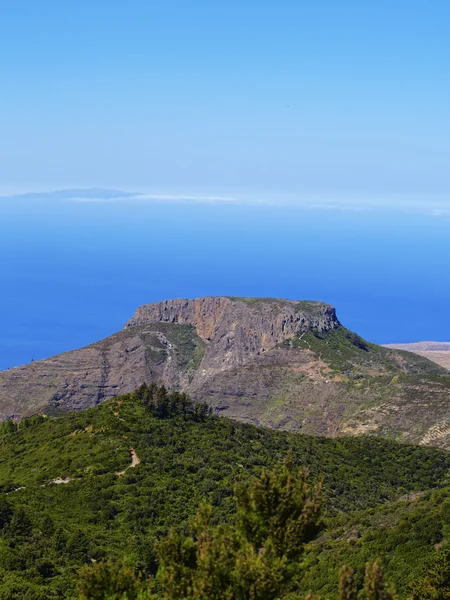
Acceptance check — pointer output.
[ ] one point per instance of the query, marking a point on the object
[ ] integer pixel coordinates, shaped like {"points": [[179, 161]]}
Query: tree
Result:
{"points": [[6, 512], [8, 426], [374, 585], [347, 585], [20, 526], [281, 507]]}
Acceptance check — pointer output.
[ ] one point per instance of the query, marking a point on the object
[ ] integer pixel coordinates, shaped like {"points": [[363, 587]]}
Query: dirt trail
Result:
{"points": [[135, 461]]}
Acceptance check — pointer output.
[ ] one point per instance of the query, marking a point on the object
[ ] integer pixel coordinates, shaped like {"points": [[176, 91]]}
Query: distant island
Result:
{"points": [[76, 194]]}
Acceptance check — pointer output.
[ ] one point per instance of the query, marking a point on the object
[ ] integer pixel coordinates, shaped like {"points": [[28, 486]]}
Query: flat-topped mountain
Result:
{"points": [[273, 362], [177, 342]]}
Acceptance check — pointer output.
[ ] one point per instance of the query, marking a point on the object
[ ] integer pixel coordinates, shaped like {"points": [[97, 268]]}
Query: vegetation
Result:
{"points": [[9, 426], [310, 307], [162, 404], [346, 352], [254, 557], [257, 556], [403, 535], [70, 496], [254, 301]]}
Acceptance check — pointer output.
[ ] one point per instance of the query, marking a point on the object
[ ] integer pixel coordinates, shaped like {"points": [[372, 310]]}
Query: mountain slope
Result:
{"points": [[70, 492], [116, 365], [272, 362], [171, 342]]}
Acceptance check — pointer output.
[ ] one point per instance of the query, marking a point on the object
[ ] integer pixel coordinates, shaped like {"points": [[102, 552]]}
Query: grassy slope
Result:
{"points": [[348, 353], [182, 462]]}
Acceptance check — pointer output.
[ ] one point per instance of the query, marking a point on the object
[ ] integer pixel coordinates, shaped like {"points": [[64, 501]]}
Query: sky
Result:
{"points": [[280, 100]]}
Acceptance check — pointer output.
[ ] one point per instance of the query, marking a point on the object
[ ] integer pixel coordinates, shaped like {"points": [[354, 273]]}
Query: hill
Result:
{"points": [[272, 362], [108, 481], [438, 352]]}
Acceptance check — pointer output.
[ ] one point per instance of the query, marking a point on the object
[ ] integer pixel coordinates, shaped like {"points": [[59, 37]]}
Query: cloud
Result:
{"points": [[152, 198], [440, 212], [344, 207]]}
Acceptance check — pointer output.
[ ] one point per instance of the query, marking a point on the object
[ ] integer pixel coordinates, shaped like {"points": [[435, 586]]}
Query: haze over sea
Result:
{"points": [[75, 265]]}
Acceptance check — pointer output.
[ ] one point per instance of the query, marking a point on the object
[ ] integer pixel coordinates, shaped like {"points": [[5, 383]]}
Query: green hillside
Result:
{"points": [[404, 535], [72, 491], [345, 351]]}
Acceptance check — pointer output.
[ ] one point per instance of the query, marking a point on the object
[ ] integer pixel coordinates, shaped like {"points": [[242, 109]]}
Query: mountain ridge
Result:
{"points": [[73, 193]]}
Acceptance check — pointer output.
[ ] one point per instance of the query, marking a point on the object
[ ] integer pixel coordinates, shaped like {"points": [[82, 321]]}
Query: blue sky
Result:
{"points": [[251, 99]]}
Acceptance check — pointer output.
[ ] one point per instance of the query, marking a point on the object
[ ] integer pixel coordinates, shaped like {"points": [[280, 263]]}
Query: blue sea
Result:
{"points": [[73, 272]]}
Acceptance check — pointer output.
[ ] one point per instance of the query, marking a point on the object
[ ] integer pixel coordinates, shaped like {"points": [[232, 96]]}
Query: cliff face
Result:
{"points": [[236, 330], [268, 320]]}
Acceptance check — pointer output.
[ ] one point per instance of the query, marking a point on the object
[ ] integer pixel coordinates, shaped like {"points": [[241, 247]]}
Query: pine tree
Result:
{"points": [[347, 585], [281, 507], [374, 583]]}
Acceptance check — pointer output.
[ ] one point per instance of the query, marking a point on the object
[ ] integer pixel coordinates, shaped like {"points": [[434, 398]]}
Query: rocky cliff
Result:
{"points": [[266, 321], [235, 330]]}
